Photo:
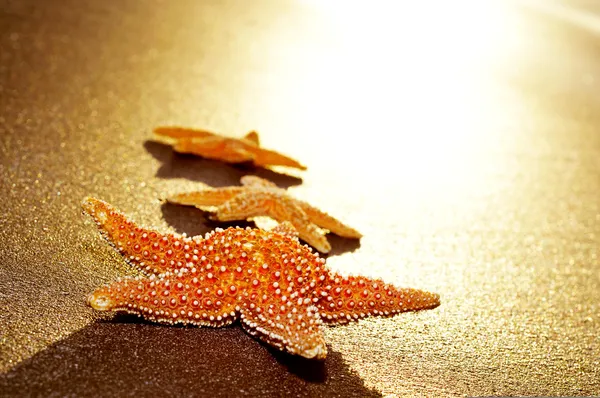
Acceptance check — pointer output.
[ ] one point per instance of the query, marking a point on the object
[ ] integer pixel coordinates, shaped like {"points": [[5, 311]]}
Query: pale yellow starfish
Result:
{"points": [[232, 150], [258, 197]]}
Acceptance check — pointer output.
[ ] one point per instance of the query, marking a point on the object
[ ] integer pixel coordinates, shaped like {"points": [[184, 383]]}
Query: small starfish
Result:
{"points": [[259, 197], [231, 150], [280, 290]]}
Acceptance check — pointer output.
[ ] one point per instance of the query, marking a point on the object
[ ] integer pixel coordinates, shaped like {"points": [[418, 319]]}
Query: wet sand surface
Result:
{"points": [[461, 140]]}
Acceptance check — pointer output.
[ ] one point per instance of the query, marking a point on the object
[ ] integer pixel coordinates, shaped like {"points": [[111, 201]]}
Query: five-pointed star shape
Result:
{"points": [[281, 291], [232, 150], [259, 197]]}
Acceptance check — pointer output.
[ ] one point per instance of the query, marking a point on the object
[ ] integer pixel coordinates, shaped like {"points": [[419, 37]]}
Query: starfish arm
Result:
{"points": [[169, 299], [202, 146], [254, 181], [182, 132], [243, 206], [326, 221], [252, 137], [236, 152], [146, 249], [253, 204], [290, 326], [349, 298], [286, 228], [284, 209], [215, 147], [266, 157], [207, 197]]}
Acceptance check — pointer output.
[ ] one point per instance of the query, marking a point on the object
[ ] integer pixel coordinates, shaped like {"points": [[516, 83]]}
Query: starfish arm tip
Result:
{"points": [[173, 199], [317, 352], [355, 234], [324, 249], [88, 203], [100, 301], [319, 242]]}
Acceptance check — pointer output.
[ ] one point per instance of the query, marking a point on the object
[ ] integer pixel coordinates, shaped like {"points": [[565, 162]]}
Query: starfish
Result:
{"points": [[231, 150], [259, 197], [281, 292]]}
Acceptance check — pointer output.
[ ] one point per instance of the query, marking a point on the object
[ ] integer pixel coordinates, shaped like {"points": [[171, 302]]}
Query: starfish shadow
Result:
{"points": [[212, 172], [310, 370], [340, 245], [125, 356], [194, 221]]}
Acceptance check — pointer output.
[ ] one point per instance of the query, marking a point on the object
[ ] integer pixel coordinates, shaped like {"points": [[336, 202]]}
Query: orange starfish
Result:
{"points": [[259, 197], [231, 150], [280, 291]]}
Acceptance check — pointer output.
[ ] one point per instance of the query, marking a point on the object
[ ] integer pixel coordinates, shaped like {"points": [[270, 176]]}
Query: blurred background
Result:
{"points": [[460, 137]]}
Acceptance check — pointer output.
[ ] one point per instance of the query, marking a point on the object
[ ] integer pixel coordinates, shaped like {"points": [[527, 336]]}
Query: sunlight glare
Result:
{"points": [[417, 76]]}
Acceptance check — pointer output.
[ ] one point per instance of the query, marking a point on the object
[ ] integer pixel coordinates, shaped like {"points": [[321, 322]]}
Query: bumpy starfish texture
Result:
{"points": [[259, 197], [232, 150], [280, 290]]}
